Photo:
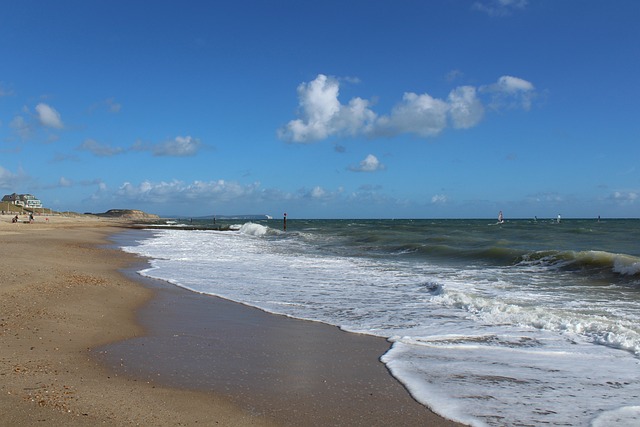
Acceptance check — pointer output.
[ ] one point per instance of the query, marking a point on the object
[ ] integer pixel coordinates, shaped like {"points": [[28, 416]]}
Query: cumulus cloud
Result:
{"points": [[421, 115], [511, 84], [323, 115], [48, 116], [176, 191], [317, 192], [100, 150], [369, 164], [320, 194], [465, 109], [180, 146], [510, 92], [27, 125]]}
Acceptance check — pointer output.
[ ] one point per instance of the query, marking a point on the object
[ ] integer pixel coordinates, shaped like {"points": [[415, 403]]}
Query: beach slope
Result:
{"points": [[64, 300]]}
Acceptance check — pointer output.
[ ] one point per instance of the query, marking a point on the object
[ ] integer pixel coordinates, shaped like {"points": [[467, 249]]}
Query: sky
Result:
{"points": [[332, 109]]}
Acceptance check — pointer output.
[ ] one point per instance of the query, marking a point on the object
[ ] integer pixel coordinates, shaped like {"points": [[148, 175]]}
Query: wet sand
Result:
{"points": [[84, 343]]}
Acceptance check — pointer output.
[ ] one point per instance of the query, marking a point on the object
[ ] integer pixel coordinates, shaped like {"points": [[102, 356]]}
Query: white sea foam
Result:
{"points": [[484, 346], [626, 265], [628, 416], [252, 229]]}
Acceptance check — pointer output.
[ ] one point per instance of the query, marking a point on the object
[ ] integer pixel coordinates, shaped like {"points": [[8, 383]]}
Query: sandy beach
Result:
{"points": [[83, 341]]}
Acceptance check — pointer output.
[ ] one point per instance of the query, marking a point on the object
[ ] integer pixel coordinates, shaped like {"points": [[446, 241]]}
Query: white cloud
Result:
{"points": [[369, 164], [177, 191], [514, 84], [100, 150], [230, 197], [439, 199], [322, 115], [421, 115], [64, 182], [181, 146], [101, 192], [624, 197], [48, 116], [465, 109], [318, 192], [510, 92]]}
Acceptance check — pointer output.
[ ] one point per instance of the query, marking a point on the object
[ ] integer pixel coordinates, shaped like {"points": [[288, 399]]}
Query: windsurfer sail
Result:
{"points": [[500, 218]]}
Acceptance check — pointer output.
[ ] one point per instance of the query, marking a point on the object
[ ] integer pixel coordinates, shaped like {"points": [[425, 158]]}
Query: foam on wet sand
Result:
{"points": [[65, 304]]}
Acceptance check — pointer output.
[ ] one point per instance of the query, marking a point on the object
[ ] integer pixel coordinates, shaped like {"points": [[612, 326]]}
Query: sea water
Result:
{"points": [[519, 323]]}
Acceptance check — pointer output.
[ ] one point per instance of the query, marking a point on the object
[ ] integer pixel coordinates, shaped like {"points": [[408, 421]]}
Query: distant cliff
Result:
{"points": [[128, 214]]}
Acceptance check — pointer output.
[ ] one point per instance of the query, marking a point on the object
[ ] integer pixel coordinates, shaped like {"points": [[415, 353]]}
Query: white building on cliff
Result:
{"points": [[25, 200]]}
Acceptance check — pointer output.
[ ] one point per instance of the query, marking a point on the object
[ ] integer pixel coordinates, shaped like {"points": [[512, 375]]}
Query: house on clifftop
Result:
{"points": [[25, 200]]}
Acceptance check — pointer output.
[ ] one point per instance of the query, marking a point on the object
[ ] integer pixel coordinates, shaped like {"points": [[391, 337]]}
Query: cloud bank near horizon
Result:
{"points": [[322, 115]]}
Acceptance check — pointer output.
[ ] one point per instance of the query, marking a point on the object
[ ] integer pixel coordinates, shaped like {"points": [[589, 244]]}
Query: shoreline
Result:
{"points": [[58, 320]]}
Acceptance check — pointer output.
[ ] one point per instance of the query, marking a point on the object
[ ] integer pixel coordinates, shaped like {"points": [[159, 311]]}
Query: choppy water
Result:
{"points": [[521, 323]]}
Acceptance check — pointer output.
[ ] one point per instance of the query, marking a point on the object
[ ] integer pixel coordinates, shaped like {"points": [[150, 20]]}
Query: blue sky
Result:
{"points": [[333, 109]]}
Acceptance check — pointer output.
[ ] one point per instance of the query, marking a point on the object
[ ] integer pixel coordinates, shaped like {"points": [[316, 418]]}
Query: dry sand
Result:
{"points": [[63, 298]]}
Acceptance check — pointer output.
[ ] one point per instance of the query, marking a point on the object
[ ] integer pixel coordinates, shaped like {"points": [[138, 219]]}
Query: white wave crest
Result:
{"points": [[618, 334], [626, 265], [253, 229], [625, 416]]}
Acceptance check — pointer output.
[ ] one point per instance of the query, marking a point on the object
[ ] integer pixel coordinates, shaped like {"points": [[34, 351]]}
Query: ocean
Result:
{"points": [[528, 322]]}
